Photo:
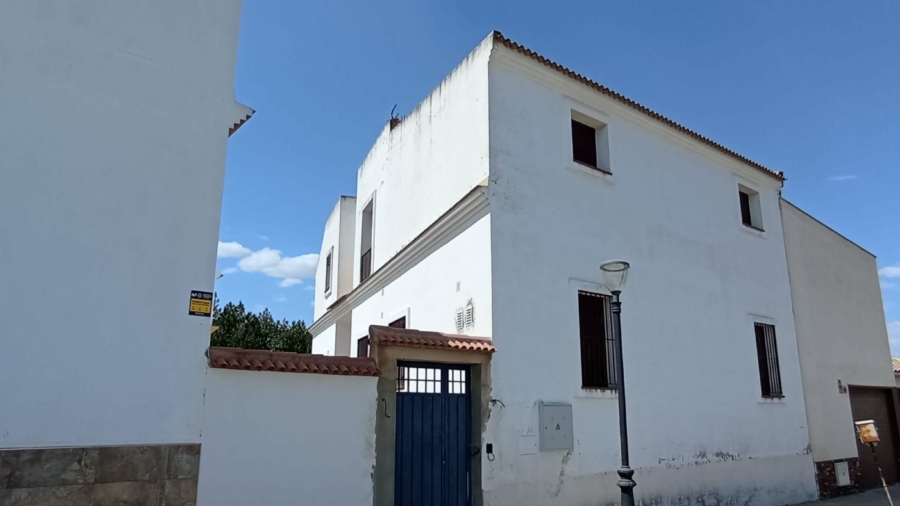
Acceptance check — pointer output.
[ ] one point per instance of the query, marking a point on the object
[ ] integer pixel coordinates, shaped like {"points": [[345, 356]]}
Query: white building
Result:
{"points": [[116, 120], [845, 357], [487, 211]]}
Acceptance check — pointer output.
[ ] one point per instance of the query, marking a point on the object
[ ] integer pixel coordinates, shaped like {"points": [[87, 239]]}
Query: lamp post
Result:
{"points": [[615, 273]]}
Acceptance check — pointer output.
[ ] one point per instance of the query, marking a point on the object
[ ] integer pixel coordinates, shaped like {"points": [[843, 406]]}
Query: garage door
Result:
{"points": [[875, 404]]}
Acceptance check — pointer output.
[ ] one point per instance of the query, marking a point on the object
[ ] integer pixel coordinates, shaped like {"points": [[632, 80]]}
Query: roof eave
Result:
{"points": [[514, 46]]}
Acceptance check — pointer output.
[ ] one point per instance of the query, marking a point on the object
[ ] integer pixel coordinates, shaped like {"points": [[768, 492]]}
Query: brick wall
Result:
{"points": [[827, 481], [159, 475]]}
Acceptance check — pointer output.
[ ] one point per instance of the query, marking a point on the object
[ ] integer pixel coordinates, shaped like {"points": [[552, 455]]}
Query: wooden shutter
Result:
{"points": [[746, 217], [584, 143], [362, 347]]}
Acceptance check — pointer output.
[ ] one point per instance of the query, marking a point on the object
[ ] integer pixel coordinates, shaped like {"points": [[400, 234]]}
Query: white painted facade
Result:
{"points": [[414, 174], [280, 438], [338, 242], [113, 141], [498, 129], [698, 425], [840, 328]]}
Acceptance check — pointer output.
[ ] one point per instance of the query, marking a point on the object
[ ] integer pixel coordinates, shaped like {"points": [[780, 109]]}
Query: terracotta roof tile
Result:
{"points": [[234, 128], [896, 362], [390, 336], [499, 37], [284, 361]]}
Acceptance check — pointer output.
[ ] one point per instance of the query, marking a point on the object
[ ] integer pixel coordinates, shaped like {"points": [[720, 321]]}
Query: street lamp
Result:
{"points": [[615, 273]]}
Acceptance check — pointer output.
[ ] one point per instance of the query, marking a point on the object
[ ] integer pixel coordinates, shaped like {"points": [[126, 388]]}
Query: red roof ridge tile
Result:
{"points": [[510, 44], [411, 338], [286, 361]]}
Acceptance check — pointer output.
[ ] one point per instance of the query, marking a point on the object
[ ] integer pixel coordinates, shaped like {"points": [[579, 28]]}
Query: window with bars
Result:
{"points": [[598, 344], [430, 380], [456, 381], [418, 380], [767, 355]]}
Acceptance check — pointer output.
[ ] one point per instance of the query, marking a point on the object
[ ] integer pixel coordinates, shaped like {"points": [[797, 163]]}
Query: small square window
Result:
{"points": [[590, 142], [751, 212]]}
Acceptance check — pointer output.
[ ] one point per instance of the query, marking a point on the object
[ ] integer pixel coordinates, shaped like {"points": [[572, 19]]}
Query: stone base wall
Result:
{"points": [[827, 481], [158, 475]]}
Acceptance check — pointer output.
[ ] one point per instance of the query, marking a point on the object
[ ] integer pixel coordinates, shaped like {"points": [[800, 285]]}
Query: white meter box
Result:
{"points": [[556, 426]]}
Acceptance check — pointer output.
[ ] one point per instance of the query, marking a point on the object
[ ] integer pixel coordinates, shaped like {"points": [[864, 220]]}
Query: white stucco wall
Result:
{"points": [[113, 140], [418, 170], [415, 173], [840, 327], [287, 438], [339, 234], [699, 429], [344, 274], [323, 344], [429, 293]]}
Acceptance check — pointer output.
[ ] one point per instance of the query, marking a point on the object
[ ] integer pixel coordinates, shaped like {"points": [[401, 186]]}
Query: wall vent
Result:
{"points": [[460, 320], [470, 315]]}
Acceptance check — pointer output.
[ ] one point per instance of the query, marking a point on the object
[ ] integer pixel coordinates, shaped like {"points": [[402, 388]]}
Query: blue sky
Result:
{"points": [[807, 88]]}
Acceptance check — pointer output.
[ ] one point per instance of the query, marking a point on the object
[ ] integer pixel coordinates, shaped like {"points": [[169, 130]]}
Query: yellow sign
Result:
{"points": [[201, 303]]}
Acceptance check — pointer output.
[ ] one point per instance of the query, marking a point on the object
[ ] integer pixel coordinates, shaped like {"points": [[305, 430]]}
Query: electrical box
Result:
{"points": [[556, 426], [842, 474]]}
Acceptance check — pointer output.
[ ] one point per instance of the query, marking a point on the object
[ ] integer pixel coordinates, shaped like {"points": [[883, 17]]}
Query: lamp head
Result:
{"points": [[615, 274]]}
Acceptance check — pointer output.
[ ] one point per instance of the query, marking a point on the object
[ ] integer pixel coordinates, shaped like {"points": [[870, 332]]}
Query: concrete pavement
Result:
{"points": [[875, 497]]}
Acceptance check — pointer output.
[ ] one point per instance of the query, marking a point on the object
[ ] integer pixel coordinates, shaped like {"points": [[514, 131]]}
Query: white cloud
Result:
{"points": [[264, 237], [232, 250], [892, 271], [291, 270], [309, 288], [894, 337], [846, 177], [279, 297], [230, 270]]}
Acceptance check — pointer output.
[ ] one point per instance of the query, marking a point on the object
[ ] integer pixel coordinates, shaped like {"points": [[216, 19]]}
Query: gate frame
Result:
{"points": [[445, 368], [387, 358]]}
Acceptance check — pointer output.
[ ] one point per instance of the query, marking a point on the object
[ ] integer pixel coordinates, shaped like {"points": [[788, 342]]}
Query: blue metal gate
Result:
{"points": [[433, 435]]}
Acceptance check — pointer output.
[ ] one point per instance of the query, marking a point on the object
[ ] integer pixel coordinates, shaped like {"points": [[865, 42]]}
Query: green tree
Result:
{"points": [[239, 328]]}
